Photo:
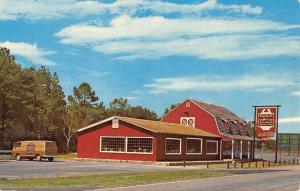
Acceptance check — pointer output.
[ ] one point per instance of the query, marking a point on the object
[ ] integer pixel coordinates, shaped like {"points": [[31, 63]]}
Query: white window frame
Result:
{"points": [[139, 152], [125, 150], [187, 118], [112, 151], [194, 139], [212, 141], [115, 123], [179, 146]]}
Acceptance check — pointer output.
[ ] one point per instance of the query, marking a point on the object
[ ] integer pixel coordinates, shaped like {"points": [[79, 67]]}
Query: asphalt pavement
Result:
{"points": [[33, 169], [279, 180], [269, 179]]}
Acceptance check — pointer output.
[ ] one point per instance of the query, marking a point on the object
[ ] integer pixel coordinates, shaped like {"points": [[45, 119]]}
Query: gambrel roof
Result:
{"points": [[217, 111], [222, 113]]}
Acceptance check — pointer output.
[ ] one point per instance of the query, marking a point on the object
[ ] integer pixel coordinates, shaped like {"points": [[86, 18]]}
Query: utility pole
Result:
{"points": [[276, 141], [254, 134]]}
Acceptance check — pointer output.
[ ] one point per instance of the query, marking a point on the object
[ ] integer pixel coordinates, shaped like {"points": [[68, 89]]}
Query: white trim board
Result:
{"points": [[212, 141], [194, 139], [180, 145]]}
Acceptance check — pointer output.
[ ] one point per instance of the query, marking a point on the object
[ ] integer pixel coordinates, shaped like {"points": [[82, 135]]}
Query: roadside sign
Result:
{"points": [[265, 124]]}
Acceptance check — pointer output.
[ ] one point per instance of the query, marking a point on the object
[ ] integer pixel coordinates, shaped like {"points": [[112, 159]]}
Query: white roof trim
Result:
{"points": [[109, 119], [97, 123], [174, 109]]}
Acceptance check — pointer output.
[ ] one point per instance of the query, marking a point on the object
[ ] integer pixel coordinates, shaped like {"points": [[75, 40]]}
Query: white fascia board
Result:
{"points": [[97, 123]]}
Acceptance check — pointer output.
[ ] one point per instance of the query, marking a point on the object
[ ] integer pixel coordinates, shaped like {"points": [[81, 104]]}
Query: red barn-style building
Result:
{"points": [[236, 138], [123, 138]]}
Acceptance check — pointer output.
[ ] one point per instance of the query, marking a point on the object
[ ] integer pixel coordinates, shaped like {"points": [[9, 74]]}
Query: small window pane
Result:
{"points": [[173, 146], [139, 145], [112, 144], [194, 146], [189, 121], [212, 147]]}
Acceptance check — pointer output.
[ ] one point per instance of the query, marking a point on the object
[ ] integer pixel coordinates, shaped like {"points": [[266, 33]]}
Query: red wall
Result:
{"points": [[161, 156], [203, 120], [88, 145]]}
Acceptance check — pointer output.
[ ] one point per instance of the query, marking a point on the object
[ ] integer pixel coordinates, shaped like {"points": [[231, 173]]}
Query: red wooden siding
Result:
{"points": [[161, 156], [203, 120], [88, 145]]}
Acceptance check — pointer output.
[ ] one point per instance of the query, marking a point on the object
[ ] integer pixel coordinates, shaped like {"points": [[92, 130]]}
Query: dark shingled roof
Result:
{"points": [[218, 111]]}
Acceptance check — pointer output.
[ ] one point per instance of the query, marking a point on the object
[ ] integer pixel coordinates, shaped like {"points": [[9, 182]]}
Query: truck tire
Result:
{"points": [[18, 157], [38, 158], [50, 159]]}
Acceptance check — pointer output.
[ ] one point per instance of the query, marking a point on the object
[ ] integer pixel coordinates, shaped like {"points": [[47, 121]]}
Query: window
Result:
{"points": [[211, 147], [222, 124], [173, 146], [18, 144], [112, 144], [132, 144], [194, 146], [231, 127], [139, 145], [243, 129], [115, 123], [188, 104], [189, 121]]}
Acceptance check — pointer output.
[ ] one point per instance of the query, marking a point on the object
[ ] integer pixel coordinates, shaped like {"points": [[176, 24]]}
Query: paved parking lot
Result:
{"points": [[32, 169]]}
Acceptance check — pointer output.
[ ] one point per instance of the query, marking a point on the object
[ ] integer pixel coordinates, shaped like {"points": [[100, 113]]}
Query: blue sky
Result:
{"points": [[155, 53]]}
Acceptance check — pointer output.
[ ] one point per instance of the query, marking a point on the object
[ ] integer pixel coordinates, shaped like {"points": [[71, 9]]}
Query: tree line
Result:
{"points": [[34, 106]]}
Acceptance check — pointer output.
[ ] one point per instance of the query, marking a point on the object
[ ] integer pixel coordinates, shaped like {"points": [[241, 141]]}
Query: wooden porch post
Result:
{"points": [[248, 150], [241, 150], [232, 149], [221, 149]]}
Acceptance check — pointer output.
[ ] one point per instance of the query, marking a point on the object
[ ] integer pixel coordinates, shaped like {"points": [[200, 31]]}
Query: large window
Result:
{"points": [[139, 145], [211, 147], [173, 146], [189, 121], [126, 144], [112, 144], [194, 146]]}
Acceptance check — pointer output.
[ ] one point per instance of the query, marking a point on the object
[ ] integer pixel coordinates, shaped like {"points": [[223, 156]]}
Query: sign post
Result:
{"points": [[266, 125]]}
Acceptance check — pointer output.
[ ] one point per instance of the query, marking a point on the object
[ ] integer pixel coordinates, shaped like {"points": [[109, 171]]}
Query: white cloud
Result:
{"points": [[132, 97], [289, 120], [153, 37], [296, 93], [125, 27], [54, 9], [93, 73], [208, 83], [29, 51]]}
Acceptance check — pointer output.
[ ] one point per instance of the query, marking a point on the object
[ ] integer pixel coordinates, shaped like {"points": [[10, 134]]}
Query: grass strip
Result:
{"points": [[66, 156], [108, 180]]}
